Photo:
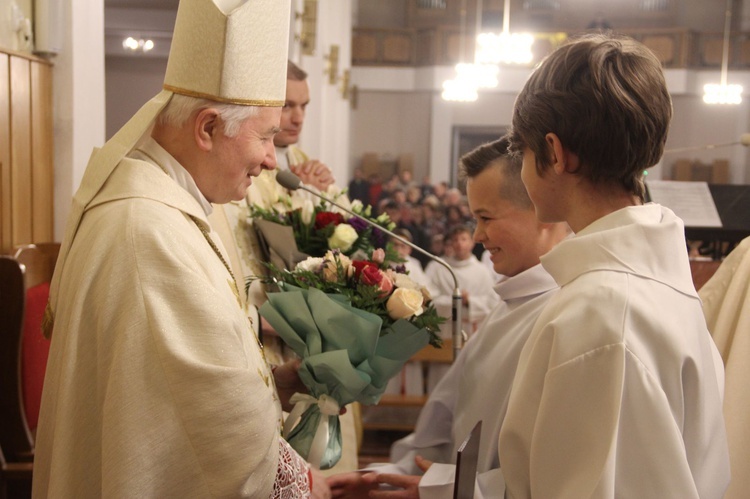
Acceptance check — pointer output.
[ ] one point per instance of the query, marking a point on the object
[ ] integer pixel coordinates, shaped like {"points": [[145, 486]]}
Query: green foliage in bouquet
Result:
{"points": [[319, 228], [368, 286], [354, 323]]}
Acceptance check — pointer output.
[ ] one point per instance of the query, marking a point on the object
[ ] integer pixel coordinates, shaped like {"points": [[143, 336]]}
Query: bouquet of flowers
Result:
{"points": [[319, 228], [354, 323]]}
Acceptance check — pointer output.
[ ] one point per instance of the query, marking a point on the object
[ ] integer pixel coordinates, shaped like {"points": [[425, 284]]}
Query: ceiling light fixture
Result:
{"points": [[490, 50], [724, 93], [140, 44]]}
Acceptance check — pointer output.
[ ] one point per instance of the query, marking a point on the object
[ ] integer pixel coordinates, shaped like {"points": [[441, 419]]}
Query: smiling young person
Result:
{"points": [[477, 386]]}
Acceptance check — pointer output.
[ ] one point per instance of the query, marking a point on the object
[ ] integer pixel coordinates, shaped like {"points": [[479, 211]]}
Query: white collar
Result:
{"points": [[533, 281], [151, 151]]}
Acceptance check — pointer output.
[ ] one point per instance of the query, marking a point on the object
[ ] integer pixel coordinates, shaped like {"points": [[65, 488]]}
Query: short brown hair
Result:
{"points": [[294, 72], [476, 161], [605, 97], [454, 231]]}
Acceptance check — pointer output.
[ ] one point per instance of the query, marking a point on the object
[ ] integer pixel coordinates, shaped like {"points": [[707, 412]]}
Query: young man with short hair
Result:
{"points": [[618, 391]]}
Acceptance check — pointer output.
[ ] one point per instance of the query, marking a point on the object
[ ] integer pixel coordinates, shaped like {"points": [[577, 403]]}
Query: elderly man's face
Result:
{"points": [[293, 113], [235, 160]]}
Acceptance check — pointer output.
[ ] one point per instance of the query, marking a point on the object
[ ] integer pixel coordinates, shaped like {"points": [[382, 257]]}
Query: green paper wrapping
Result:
{"points": [[344, 355]]}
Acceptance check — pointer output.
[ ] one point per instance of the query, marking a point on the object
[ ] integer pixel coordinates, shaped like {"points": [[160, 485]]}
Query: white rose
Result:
{"points": [[343, 237], [311, 264], [404, 281], [404, 303], [330, 267]]}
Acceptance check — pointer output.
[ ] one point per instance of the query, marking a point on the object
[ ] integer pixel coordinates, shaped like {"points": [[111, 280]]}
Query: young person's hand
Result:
{"points": [[350, 485], [320, 489], [408, 484]]}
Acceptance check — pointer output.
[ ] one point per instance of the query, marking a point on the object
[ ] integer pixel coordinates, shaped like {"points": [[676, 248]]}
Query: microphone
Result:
{"points": [[744, 140], [290, 181]]}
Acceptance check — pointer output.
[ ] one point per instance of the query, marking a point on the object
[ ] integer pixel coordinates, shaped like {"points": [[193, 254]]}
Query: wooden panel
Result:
{"points": [[42, 171], [20, 149], [364, 47], [425, 51], [712, 51], [663, 46], [5, 189], [397, 48], [744, 53]]}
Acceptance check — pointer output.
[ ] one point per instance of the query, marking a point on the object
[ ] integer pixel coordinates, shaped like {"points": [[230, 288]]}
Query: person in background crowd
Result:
{"points": [[359, 187], [376, 189], [426, 187]]}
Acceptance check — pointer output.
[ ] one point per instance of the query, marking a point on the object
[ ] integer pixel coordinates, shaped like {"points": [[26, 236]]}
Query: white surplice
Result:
{"points": [[156, 385], [474, 278], [618, 389], [476, 387]]}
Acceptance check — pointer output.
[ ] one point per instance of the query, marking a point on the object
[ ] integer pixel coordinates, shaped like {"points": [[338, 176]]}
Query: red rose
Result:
{"points": [[373, 276], [360, 265], [326, 218]]}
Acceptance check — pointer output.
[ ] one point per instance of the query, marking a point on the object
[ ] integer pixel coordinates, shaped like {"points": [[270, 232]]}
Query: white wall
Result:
{"points": [[131, 82], [393, 123], [78, 81], [393, 98], [326, 132]]}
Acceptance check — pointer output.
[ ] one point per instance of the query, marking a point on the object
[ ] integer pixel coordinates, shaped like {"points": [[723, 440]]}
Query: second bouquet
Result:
{"points": [[354, 323]]}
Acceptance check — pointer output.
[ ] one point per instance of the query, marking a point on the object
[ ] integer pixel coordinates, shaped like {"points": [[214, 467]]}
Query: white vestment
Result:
{"points": [[156, 385], [474, 278], [618, 389], [416, 273], [476, 388], [726, 303]]}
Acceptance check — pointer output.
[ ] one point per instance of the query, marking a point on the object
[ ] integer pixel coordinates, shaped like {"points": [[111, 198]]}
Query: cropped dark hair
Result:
{"points": [[605, 97], [476, 161], [294, 72]]}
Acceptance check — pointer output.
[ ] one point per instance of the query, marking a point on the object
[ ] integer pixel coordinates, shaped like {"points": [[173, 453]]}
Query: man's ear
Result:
{"points": [[206, 127], [562, 160]]}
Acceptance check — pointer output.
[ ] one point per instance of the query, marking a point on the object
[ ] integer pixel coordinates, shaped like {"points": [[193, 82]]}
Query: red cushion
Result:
{"points": [[34, 352]]}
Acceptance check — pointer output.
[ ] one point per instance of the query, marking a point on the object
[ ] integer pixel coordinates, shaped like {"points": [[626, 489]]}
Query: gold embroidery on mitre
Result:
{"points": [[226, 100]]}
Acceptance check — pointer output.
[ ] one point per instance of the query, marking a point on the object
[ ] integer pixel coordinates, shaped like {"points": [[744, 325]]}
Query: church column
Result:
{"points": [[78, 80]]}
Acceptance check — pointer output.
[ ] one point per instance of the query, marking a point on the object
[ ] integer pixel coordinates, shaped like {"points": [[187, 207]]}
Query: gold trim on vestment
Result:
{"points": [[226, 100]]}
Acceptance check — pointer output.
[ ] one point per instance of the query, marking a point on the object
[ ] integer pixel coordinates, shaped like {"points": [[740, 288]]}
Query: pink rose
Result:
{"points": [[378, 256], [373, 276]]}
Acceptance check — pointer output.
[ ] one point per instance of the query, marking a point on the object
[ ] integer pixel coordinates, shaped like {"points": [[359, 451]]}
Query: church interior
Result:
{"points": [[389, 109]]}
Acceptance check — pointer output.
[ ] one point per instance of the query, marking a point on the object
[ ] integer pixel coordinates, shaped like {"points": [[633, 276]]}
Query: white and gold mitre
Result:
{"points": [[245, 65], [229, 51]]}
